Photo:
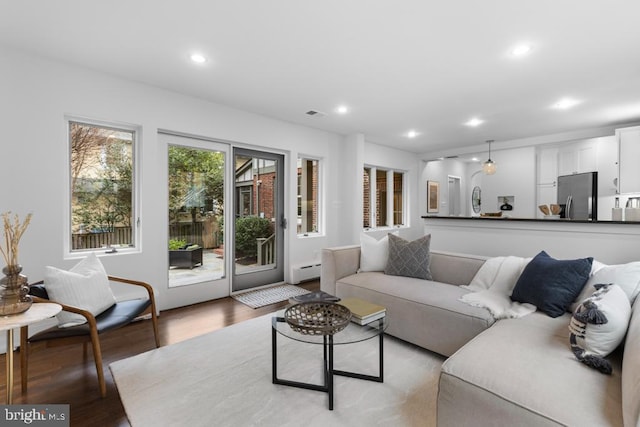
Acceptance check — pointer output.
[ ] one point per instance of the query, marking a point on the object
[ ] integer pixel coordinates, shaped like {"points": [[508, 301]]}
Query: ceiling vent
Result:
{"points": [[315, 113], [451, 157]]}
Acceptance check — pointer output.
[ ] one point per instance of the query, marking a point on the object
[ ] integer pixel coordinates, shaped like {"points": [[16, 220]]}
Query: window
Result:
{"points": [[383, 197], [398, 200], [102, 186], [308, 196], [366, 196]]}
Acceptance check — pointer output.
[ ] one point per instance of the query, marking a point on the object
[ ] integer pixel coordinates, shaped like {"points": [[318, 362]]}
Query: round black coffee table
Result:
{"points": [[352, 333]]}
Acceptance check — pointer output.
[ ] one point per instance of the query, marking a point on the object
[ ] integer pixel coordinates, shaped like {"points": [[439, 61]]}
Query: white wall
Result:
{"points": [[350, 209], [609, 243], [36, 96]]}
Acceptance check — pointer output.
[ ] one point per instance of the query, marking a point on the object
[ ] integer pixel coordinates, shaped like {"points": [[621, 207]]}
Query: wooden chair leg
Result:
{"points": [[24, 357], [97, 356], [154, 317], [154, 321]]}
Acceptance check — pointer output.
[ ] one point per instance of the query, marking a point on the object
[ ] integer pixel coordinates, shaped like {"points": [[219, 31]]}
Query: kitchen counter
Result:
{"points": [[506, 218]]}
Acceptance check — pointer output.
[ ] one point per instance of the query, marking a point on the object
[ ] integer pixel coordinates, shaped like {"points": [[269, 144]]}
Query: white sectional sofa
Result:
{"points": [[442, 323], [498, 373]]}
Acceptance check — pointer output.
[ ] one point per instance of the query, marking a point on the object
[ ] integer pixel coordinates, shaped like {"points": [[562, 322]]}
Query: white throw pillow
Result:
{"points": [[599, 325], [627, 276], [85, 286], [373, 253]]}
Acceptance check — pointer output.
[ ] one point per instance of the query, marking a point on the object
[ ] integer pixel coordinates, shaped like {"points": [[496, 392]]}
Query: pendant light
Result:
{"points": [[489, 167]]}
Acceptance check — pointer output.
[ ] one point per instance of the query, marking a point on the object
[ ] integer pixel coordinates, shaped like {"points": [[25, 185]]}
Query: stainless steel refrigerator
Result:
{"points": [[578, 196]]}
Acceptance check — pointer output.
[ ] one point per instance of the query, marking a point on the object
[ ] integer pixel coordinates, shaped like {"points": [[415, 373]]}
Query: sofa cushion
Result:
{"points": [[520, 373], [409, 259], [85, 286], [550, 284], [423, 312], [599, 325], [454, 268]]}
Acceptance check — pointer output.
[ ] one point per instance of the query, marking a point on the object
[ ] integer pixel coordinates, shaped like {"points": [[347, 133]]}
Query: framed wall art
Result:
{"points": [[433, 196]]}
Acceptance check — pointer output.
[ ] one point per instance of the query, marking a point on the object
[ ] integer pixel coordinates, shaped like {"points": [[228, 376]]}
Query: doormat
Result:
{"points": [[261, 297]]}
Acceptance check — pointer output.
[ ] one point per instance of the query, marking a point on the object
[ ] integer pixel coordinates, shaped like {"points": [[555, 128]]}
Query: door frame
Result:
{"points": [[454, 185], [260, 277]]}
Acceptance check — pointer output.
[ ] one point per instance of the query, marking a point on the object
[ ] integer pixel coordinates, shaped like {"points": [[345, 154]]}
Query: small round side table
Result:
{"points": [[37, 313]]}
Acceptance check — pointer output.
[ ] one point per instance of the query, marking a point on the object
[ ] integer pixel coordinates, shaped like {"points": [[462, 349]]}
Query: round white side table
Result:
{"points": [[37, 313]]}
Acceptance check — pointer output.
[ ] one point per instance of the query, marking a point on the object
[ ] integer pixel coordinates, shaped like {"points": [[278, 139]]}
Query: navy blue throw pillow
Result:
{"points": [[551, 284]]}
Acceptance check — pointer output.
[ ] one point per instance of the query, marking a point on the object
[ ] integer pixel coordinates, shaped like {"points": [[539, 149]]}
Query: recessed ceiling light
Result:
{"points": [[475, 159], [521, 50], [342, 109], [198, 58], [412, 134], [474, 122], [565, 104]]}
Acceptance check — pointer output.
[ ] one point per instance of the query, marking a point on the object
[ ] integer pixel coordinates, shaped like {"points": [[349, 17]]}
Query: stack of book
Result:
{"points": [[319, 296], [363, 312]]}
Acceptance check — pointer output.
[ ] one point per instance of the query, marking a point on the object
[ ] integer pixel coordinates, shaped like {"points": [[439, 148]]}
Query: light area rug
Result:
{"points": [[261, 297], [223, 378]]}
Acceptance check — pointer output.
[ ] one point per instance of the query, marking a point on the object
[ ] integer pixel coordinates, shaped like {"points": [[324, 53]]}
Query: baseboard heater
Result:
{"points": [[304, 272]]}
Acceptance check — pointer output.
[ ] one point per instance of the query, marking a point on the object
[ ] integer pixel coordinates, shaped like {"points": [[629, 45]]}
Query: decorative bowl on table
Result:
{"points": [[317, 318]]}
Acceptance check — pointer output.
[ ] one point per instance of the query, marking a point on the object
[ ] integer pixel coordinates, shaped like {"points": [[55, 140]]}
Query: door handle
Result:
{"points": [[283, 222], [568, 207]]}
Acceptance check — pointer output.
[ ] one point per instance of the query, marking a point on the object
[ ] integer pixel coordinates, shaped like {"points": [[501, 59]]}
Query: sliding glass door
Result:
{"points": [[258, 229]]}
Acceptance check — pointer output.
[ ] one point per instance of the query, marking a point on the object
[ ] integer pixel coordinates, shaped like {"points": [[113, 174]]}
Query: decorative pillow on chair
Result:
{"points": [[373, 253], [410, 259], [599, 325], [85, 286], [551, 284]]}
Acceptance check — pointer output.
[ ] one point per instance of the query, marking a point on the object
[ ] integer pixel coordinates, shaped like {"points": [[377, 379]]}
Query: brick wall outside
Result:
{"points": [[263, 196]]}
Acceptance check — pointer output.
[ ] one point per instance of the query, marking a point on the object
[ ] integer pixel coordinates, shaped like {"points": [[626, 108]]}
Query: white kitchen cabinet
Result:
{"points": [[577, 157], [629, 148]]}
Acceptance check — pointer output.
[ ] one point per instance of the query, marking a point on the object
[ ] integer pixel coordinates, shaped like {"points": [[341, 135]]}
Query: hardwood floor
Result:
{"points": [[61, 375]]}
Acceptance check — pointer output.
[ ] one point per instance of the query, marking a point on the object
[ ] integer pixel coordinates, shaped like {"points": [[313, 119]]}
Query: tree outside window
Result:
{"points": [[102, 196], [196, 195]]}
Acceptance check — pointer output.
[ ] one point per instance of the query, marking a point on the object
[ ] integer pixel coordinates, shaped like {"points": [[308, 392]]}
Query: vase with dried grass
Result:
{"points": [[14, 290]]}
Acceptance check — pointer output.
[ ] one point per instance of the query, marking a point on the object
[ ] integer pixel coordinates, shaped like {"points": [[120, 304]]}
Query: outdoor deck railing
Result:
{"points": [[266, 250], [102, 238]]}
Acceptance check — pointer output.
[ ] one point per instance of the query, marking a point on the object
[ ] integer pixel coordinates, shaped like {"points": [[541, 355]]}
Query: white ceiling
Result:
{"points": [[399, 65]]}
